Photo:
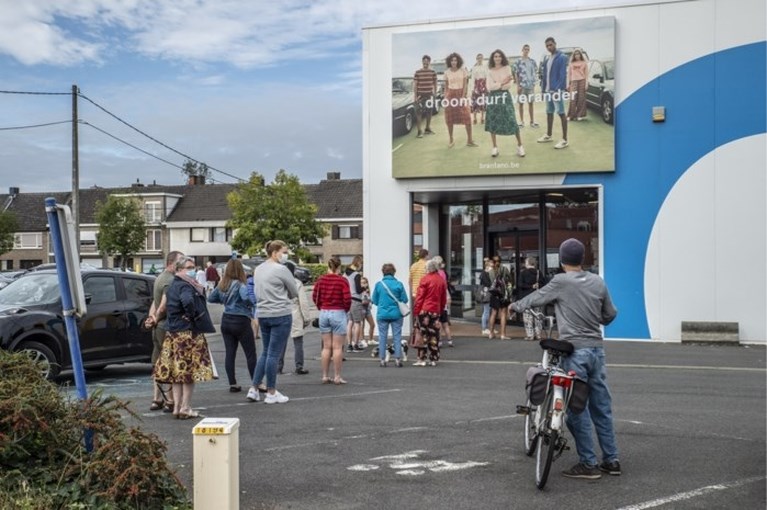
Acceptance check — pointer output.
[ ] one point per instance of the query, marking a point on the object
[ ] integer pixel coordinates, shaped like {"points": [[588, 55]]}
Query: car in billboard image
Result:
{"points": [[600, 88], [110, 332], [403, 107]]}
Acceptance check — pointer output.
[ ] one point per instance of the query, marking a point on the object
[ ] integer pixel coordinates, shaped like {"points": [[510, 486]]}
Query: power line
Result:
{"points": [[35, 125], [32, 93], [86, 123], [155, 139]]}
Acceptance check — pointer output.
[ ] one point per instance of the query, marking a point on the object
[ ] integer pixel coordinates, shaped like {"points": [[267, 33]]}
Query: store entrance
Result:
{"points": [[513, 247]]}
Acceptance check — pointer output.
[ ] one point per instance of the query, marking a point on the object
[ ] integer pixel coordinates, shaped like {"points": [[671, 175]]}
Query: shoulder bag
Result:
{"points": [[403, 308]]}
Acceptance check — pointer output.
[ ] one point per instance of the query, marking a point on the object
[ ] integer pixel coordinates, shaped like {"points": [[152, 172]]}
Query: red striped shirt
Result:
{"points": [[331, 292]]}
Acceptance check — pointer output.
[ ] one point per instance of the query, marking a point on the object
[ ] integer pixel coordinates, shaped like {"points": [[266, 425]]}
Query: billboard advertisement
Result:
{"points": [[512, 99]]}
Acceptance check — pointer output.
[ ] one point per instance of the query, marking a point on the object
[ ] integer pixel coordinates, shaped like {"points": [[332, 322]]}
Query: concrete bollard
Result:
{"points": [[217, 464]]}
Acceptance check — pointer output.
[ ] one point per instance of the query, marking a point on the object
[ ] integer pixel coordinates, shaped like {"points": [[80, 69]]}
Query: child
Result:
{"points": [[368, 313]]}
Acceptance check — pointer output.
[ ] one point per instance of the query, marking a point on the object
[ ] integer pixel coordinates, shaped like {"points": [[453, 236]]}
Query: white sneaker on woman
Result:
{"points": [[275, 398]]}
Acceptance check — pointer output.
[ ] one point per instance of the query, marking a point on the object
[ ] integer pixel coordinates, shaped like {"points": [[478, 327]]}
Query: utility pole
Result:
{"points": [[75, 171]]}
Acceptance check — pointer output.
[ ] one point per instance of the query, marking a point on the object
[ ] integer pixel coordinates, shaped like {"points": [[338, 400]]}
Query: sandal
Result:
{"points": [[188, 416], [326, 380], [156, 405], [168, 408], [339, 380]]}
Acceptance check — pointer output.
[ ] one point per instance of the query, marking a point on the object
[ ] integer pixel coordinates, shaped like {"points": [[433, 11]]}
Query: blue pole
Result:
{"points": [[68, 308]]}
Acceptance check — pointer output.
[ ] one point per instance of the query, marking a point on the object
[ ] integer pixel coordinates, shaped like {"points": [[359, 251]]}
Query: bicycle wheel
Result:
{"points": [[530, 429], [546, 445]]}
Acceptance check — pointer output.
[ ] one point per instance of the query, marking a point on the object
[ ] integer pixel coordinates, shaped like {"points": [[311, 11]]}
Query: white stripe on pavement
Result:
{"points": [[692, 494]]}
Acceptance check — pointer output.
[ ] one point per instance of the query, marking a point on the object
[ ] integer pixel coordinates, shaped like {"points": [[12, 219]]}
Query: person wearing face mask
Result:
{"points": [[185, 358], [276, 289]]}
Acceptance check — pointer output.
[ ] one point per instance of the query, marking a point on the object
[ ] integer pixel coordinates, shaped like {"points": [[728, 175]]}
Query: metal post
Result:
{"points": [[68, 308], [75, 169]]}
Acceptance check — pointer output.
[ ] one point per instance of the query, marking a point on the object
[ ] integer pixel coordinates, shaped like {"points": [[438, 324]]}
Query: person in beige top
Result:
{"points": [[457, 99]]}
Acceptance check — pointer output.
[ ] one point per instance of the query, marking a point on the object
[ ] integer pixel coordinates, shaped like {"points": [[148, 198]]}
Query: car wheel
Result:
{"points": [[608, 113], [49, 365], [408, 121]]}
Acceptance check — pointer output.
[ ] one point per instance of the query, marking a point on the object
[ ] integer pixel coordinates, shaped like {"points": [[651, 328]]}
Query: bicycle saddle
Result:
{"points": [[561, 346]]}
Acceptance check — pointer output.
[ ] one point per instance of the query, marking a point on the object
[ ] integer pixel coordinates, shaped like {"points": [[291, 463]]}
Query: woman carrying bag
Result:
{"points": [[390, 298]]}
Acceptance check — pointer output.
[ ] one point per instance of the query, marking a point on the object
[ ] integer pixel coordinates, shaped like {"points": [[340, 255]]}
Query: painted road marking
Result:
{"points": [[609, 365], [692, 494], [407, 464]]}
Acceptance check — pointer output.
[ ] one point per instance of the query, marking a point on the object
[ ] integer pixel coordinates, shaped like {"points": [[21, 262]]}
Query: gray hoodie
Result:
{"points": [[582, 303], [275, 289]]}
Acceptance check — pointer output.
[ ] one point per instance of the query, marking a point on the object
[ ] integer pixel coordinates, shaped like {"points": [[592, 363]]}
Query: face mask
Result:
{"points": [[283, 258], [191, 273]]}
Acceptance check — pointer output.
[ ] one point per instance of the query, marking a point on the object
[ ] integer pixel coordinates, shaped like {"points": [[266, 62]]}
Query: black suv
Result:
{"points": [[110, 332]]}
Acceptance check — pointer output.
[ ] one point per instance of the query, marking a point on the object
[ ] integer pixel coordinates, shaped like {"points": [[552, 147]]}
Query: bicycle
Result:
{"points": [[551, 392]]}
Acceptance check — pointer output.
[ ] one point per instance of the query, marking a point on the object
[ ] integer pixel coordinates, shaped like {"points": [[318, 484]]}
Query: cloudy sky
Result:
{"points": [[241, 85]]}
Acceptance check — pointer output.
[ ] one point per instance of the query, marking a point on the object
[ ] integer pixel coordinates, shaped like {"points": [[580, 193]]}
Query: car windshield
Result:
{"points": [[34, 289], [401, 85], [609, 71]]}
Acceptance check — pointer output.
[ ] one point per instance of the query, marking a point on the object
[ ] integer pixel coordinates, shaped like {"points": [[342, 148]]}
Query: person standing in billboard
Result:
{"points": [[425, 90], [457, 106], [501, 119], [525, 72], [576, 76], [554, 85], [479, 88]]}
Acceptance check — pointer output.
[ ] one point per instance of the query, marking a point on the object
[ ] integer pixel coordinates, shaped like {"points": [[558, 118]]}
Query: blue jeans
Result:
{"points": [[274, 335], [485, 315], [383, 334], [589, 364]]}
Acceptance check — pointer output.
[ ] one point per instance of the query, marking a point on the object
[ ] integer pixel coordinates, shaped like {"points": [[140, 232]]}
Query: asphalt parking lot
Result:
{"points": [[690, 422]]}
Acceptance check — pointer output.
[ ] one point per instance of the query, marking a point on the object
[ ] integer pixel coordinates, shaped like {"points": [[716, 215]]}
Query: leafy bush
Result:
{"points": [[317, 270], [43, 460]]}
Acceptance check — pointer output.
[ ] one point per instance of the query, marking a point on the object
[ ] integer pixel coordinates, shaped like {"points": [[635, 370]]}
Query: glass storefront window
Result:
{"points": [[465, 242], [572, 213]]}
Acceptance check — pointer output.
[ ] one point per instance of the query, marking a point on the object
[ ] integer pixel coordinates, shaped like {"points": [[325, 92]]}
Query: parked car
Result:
{"points": [[403, 107], [600, 88], [302, 274], [31, 319]]}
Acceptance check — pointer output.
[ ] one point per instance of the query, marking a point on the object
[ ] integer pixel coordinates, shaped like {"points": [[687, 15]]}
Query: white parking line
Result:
{"points": [[692, 494]]}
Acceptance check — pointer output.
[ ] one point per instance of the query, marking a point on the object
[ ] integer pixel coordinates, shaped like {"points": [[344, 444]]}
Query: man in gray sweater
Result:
{"points": [[582, 304]]}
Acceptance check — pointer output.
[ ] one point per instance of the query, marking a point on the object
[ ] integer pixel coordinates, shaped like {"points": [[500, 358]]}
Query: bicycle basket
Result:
{"points": [[537, 382], [579, 396]]}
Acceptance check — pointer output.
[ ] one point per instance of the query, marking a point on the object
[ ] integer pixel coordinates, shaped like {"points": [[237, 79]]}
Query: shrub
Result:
{"points": [[44, 461]]}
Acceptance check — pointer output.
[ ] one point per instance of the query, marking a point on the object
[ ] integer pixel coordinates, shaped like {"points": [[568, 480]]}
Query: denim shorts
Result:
{"points": [[333, 321], [551, 105]]}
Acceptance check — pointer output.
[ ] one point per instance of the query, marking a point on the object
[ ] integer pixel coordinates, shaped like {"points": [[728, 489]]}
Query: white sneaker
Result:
{"points": [[253, 395], [561, 144], [419, 364], [485, 332], [432, 363], [372, 342], [363, 344], [521, 151], [276, 398], [494, 152], [544, 138]]}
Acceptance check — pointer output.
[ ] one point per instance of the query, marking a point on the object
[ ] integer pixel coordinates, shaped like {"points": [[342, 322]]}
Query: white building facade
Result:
{"points": [[672, 209]]}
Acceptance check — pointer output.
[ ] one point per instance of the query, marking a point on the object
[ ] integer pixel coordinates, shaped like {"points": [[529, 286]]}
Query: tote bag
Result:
{"points": [[403, 308]]}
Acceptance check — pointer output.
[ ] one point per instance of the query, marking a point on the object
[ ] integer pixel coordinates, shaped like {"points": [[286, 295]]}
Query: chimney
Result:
{"points": [[196, 180], [137, 184], [334, 176], [13, 191]]}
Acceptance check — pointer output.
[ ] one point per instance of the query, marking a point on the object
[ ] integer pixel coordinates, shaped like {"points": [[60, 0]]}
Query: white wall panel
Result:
{"points": [[706, 256]]}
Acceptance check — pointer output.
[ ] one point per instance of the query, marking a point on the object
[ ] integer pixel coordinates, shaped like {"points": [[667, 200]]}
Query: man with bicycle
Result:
{"points": [[582, 303]]}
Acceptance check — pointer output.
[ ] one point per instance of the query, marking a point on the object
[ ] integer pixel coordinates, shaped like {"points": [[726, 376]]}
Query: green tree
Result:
{"points": [[281, 210], [8, 227], [121, 227], [195, 169]]}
